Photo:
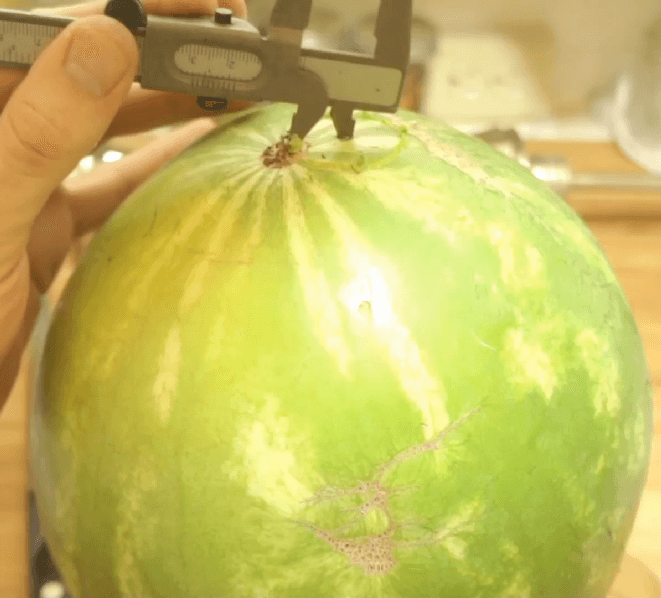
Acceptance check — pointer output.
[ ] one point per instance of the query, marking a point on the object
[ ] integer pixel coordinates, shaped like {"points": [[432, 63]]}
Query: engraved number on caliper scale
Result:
{"points": [[224, 63], [24, 42]]}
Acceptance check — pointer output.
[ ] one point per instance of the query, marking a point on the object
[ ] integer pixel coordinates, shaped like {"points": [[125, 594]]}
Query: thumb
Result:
{"points": [[56, 116]]}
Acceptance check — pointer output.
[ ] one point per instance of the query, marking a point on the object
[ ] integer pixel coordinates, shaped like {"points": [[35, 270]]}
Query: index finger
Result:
{"points": [[10, 78]]}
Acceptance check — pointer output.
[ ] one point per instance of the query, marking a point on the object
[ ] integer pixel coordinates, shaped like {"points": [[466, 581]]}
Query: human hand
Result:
{"points": [[49, 121]]}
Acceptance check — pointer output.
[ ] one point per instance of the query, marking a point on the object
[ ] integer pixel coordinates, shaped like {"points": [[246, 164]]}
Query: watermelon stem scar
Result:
{"points": [[290, 149], [284, 152], [374, 553]]}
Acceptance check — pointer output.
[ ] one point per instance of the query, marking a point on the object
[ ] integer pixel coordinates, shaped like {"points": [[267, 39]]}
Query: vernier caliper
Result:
{"points": [[223, 57]]}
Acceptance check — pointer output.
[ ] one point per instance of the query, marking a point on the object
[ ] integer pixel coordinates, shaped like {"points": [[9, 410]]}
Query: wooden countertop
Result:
{"points": [[628, 224]]}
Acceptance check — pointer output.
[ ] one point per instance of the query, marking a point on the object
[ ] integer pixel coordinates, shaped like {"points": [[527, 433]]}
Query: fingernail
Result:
{"points": [[96, 66]]}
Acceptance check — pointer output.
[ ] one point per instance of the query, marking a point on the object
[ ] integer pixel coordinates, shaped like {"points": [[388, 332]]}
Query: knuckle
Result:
{"points": [[35, 140]]}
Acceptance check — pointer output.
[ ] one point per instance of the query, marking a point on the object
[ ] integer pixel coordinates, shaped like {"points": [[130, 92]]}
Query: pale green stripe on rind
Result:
{"points": [[418, 199], [166, 382], [220, 237], [266, 449], [135, 530], [162, 254], [369, 278], [603, 370], [324, 313], [555, 216]]}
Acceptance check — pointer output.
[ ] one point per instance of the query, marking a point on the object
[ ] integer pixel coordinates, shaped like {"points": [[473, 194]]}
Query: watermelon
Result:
{"points": [[393, 366]]}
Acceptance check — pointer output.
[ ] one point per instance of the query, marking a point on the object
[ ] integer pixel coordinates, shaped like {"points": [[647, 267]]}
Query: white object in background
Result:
{"points": [[481, 78], [634, 111], [52, 589]]}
